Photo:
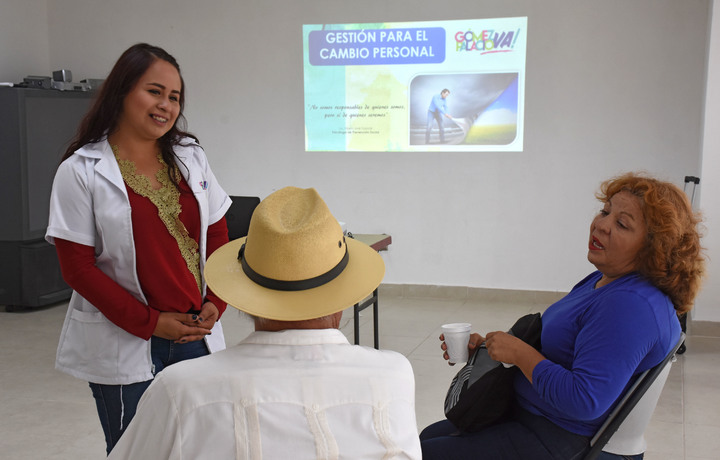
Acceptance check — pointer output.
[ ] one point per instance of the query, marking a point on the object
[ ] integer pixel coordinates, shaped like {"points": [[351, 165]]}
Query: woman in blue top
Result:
{"points": [[616, 323]]}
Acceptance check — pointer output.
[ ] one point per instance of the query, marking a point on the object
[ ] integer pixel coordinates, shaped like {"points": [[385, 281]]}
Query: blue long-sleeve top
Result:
{"points": [[438, 104], [595, 342]]}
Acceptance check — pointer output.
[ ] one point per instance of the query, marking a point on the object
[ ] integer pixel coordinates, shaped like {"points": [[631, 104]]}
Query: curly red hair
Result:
{"points": [[672, 258]]}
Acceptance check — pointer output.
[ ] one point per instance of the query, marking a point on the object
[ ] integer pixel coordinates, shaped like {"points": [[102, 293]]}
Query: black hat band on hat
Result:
{"points": [[299, 285]]}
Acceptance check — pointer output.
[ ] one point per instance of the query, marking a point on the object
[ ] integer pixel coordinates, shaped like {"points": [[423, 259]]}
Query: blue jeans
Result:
{"points": [[524, 436], [438, 117], [116, 404]]}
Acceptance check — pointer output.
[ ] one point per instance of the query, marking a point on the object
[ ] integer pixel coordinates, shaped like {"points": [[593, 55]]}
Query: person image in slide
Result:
{"points": [[438, 109]]}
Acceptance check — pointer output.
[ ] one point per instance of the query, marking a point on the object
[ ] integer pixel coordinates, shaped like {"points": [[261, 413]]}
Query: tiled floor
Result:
{"points": [[45, 414]]}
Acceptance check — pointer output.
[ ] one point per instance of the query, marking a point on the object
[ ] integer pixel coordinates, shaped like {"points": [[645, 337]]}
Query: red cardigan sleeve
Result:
{"points": [[77, 263], [217, 235]]}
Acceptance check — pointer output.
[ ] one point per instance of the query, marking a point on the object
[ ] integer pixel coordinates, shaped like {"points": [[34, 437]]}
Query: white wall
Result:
{"points": [[24, 44], [611, 86], [707, 306]]}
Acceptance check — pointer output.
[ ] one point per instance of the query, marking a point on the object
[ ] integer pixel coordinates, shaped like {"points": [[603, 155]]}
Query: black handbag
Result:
{"points": [[482, 392]]}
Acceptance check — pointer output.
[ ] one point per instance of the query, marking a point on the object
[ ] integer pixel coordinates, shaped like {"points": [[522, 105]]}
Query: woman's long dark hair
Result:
{"points": [[102, 118]]}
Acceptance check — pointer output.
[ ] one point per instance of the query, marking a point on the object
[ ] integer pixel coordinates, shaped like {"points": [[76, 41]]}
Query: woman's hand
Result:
{"points": [[509, 349], [206, 320], [474, 342], [504, 347], [180, 327], [208, 315]]}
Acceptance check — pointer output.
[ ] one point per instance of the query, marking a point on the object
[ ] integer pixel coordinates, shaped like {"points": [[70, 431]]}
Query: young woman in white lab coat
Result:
{"points": [[135, 211]]}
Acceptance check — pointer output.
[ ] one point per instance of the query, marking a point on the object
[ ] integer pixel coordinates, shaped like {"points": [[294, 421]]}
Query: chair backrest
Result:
{"points": [[239, 214], [623, 431], [629, 439]]}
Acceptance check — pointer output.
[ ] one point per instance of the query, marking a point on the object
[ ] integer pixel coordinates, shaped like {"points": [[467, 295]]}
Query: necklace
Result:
{"points": [[167, 201]]}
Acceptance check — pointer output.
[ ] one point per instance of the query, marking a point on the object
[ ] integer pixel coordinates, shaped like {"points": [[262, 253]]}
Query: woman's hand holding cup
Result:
{"points": [[458, 343]]}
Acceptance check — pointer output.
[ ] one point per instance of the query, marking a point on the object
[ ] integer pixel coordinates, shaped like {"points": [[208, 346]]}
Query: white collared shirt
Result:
{"points": [[295, 394]]}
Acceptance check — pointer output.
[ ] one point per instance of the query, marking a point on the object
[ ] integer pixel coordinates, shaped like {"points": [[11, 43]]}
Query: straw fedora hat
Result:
{"points": [[295, 264]]}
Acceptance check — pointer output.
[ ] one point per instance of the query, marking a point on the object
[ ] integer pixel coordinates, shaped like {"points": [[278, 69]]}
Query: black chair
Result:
{"points": [[652, 378], [360, 306], [239, 214]]}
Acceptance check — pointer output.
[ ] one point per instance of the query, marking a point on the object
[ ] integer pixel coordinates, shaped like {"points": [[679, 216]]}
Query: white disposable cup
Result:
{"points": [[457, 336]]}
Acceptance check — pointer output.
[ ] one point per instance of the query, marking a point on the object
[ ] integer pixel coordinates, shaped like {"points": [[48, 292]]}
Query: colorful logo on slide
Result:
{"points": [[487, 41]]}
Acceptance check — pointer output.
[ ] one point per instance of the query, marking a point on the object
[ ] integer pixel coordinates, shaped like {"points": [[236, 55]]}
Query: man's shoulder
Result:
{"points": [[379, 355], [335, 354], [238, 364], [246, 358]]}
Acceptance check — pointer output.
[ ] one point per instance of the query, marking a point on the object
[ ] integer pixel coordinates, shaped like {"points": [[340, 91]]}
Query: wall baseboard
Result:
{"points": [[703, 328], [427, 291], [468, 293]]}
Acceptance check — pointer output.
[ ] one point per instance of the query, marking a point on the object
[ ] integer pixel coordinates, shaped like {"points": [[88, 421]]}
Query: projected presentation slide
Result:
{"points": [[415, 86]]}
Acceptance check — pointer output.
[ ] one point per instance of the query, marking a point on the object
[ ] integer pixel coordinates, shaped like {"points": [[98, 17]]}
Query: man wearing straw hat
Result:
{"points": [[295, 388]]}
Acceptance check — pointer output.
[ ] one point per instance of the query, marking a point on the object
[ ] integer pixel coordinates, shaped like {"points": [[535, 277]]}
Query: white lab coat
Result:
{"points": [[89, 205], [294, 394]]}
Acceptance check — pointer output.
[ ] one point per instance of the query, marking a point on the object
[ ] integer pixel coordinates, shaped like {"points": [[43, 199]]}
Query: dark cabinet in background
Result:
{"points": [[36, 126]]}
